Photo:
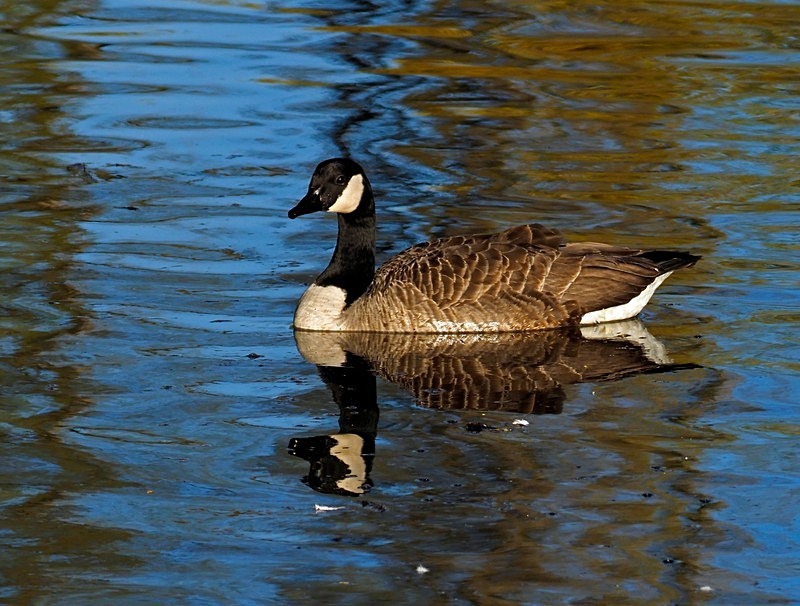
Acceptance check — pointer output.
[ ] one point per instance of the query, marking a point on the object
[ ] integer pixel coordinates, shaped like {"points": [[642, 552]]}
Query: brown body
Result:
{"points": [[525, 278]]}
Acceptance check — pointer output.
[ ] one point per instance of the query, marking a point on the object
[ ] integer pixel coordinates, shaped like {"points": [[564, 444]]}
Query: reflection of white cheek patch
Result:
{"points": [[350, 198]]}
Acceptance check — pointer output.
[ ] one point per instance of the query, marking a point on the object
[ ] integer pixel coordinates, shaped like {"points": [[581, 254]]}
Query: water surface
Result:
{"points": [[151, 381]]}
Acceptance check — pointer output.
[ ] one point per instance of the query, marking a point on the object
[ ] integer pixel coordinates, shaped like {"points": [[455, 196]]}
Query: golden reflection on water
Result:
{"points": [[595, 104], [42, 204]]}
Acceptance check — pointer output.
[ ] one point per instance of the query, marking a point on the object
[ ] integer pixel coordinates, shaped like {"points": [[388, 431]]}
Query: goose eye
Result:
{"points": [[340, 180]]}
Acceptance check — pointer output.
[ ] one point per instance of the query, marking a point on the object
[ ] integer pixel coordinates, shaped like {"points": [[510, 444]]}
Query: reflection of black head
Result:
{"points": [[341, 463]]}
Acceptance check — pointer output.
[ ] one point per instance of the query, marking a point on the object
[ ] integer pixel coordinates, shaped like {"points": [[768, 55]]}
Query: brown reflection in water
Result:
{"points": [[512, 372], [42, 205], [561, 113], [608, 494], [521, 372]]}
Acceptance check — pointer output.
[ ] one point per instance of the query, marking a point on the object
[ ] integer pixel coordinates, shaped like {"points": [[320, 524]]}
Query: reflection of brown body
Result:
{"points": [[516, 372], [524, 278], [521, 372]]}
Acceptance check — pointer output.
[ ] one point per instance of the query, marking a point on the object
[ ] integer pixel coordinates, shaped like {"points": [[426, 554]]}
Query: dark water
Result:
{"points": [[151, 383]]}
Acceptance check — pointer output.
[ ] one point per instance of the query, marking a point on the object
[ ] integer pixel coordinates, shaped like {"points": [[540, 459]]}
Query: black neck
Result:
{"points": [[352, 266]]}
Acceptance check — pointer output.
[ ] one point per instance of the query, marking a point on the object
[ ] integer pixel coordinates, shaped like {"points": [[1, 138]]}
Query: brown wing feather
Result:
{"points": [[532, 234], [521, 279], [479, 280], [599, 276]]}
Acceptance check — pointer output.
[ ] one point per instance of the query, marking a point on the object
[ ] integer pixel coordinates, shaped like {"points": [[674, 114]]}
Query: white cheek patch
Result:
{"points": [[350, 198]]}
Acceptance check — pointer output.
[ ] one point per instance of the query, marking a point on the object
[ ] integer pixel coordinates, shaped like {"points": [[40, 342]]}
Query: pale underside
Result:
{"points": [[524, 278]]}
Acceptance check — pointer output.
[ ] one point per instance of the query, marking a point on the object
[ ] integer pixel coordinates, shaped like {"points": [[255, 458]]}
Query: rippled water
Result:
{"points": [[151, 383]]}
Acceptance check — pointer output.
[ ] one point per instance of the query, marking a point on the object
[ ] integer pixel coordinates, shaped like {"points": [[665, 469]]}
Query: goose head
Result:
{"points": [[338, 185]]}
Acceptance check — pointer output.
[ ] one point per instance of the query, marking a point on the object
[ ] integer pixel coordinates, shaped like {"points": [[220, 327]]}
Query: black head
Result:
{"points": [[338, 185]]}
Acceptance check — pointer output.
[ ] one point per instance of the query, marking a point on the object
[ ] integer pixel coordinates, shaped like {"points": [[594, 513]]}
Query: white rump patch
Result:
{"points": [[320, 308], [350, 198], [626, 310]]}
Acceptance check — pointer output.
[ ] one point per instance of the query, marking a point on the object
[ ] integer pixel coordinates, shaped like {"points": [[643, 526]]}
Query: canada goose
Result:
{"points": [[524, 278]]}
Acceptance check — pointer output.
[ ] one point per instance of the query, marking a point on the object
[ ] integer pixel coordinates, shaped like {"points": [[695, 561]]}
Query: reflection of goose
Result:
{"points": [[520, 372], [523, 372], [524, 278]]}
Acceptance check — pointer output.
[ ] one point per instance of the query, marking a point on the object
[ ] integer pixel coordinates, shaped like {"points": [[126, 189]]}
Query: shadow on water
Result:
{"points": [[512, 372]]}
